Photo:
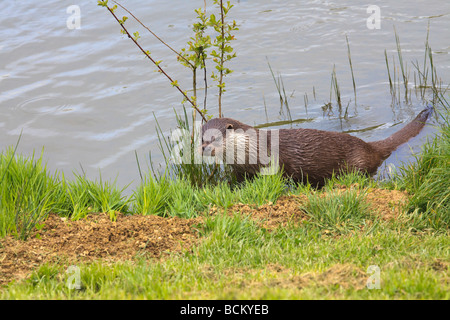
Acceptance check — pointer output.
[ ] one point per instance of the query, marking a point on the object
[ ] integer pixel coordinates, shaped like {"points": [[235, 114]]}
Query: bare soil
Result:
{"points": [[95, 237], [98, 238], [270, 216]]}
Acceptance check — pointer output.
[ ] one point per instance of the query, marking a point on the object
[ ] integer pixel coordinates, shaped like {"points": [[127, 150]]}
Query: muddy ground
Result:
{"points": [[99, 238]]}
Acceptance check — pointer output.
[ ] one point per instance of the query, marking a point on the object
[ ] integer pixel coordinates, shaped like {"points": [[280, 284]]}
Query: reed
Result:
{"points": [[351, 68], [391, 85], [279, 84], [403, 65], [337, 91], [305, 99]]}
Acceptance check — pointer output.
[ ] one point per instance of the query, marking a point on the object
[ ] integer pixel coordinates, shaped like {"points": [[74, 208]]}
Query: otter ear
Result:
{"points": [[229, 126]]}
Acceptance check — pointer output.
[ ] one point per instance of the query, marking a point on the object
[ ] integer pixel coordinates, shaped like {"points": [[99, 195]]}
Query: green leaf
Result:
{"points": [[103, 3], [123, 20], [212, 19]]}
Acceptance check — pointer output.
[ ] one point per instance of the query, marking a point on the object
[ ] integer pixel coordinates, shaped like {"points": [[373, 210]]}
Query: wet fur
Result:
{"points": [[316, 154]]}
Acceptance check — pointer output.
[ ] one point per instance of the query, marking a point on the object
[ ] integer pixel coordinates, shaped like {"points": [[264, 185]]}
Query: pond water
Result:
{"points": [[90, 98]]}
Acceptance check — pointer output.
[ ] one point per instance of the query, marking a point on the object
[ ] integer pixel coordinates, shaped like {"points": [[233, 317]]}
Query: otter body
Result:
{"points": [[304, 154]]}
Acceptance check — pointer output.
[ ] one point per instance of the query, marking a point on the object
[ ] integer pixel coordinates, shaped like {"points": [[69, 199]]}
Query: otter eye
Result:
{"points": [[229, 126]]}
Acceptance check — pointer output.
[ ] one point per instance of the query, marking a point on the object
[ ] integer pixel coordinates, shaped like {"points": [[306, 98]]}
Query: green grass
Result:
{"points": [[26, 193], [337, 212], [265, 188], [82, 196], [29, 192], [428, 180]]}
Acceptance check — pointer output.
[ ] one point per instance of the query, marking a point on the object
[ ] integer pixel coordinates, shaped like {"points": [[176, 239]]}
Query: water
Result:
{"points": [[90, 98]]}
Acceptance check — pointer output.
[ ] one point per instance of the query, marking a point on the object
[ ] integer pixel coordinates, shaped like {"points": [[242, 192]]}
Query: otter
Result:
{"points": [[303, 154]]}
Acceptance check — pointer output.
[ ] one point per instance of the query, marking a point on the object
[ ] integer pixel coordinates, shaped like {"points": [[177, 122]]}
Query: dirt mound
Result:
{"points": [[285, 211], [388, 204], [96, 237]]}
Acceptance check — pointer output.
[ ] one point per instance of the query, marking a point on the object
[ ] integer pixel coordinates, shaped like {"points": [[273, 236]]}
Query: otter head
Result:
{"points": [[220, 134], [214, 134]]}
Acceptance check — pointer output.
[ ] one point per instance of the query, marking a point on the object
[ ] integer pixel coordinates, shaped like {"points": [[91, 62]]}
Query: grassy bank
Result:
{"points": [[29, 192], [238, 260], [330, 253]]}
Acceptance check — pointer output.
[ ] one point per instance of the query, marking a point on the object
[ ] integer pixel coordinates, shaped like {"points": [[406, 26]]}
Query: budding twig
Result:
{"points": [[154, 34], [174, 83]]}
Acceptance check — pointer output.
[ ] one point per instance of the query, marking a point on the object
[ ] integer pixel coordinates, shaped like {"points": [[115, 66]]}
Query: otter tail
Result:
{"points": [[388, 145]]}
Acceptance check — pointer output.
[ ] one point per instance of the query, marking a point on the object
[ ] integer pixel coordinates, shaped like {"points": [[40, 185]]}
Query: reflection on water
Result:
{"points": [[89, 97]]}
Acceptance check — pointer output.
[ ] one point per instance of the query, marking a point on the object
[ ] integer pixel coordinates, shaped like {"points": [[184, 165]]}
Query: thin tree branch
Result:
{"points": [[157, 65], [154, 34], [221, 58]]}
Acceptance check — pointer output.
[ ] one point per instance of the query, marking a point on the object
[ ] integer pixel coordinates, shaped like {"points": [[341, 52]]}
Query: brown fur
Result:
{"points": [[315, 154]]}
